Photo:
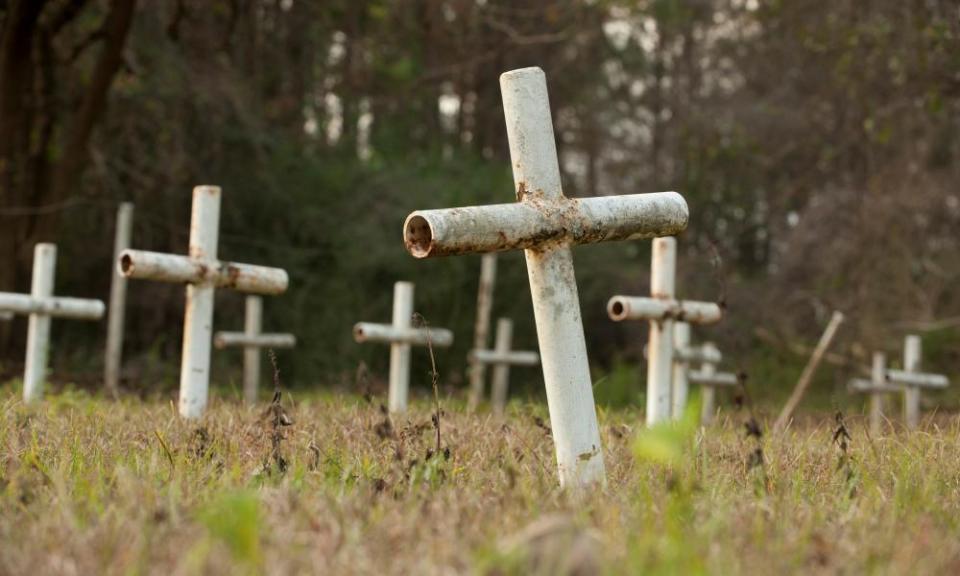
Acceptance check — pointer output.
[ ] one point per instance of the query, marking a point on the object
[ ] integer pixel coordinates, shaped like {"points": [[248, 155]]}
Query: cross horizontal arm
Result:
{"points": [[248, 278], [699, 354], [621, 308], [264, 340], [535, 222], [917, 379], [57, 307], [515, 358], [370, 332], [713, 378], [869, 386]]}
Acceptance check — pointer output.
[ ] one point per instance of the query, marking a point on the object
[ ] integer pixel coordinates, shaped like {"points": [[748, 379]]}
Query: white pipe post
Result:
{"points": [[118, 298], [400, 351], [198, 319], [481, 329], [911, 394], [38, 330], [681, 341], [708, 396], [545, 224], [878, 379], [663, 268], [252, 326], [553, 286], [500, 381]]}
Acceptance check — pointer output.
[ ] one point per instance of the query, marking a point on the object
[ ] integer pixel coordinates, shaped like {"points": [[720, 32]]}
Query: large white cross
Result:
{"points": [[252, 340], [661, 309], [546, 224], [913, 380], [203, 273], [877, 386], [481, 327], [501, 358], [401, 335], [42, 305]]}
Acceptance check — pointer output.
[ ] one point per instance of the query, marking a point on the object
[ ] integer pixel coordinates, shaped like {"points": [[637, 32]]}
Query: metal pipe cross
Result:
{"points": [[252, 340], [203, 273], [877, 386], [401, 336], [661, 309], [707, 377], [501, 358], [546, 224], [912, 380], [41, 305]]}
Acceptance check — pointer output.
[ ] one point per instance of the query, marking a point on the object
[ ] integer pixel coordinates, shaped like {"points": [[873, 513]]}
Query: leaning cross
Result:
{"points": [[661, 309], [401, 336], [877, 386], [42, 305], [912, 379], [501, 358], [252, 340], [481, 327], [545, 224], [203, 274]]}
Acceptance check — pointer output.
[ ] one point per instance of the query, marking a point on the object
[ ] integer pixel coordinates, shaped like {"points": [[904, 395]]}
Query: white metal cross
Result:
{"points": [[707, 377], [661, 309], [501, 358], [203, 273], [877, 387], [913, 380], [42, 305], [252, 340], [546, 224], [401, 335]]}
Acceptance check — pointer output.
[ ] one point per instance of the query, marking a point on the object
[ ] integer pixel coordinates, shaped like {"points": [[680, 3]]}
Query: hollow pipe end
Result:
{"points": [[358, 334], [418, 235], [125, 264], [617, 309]]}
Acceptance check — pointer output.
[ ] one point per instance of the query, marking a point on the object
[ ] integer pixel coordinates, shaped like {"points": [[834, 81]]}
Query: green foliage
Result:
{"points": [[234, 518]]}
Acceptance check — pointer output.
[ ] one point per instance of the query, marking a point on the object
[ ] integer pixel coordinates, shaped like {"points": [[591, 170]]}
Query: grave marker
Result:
{"points": [[501, 358], [401, 336], [203, 273], [661, 309], [913, 380], [877, 386], [252, 340], [546, 224], [41, 305]]}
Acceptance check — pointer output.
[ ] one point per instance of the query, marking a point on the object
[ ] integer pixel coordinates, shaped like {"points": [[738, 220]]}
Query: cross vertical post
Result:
{"points": [[118, 299], [663, 266], [680, 388], [545, 224], [38, 328], [481, 329], [878, 378]]}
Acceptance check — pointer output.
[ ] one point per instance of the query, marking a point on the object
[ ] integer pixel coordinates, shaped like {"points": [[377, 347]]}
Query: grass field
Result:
{"points": [[89, 486]]}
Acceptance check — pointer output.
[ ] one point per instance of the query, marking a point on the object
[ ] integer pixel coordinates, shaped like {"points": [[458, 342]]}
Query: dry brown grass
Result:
{"points": [[89, 486]]}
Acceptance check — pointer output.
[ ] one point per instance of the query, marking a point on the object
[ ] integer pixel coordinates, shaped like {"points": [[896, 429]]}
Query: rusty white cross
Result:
{"points": [[401, 335], [42, 305], [252, 340], [661, 309], [501, 358], [203, 273], [877, 387], [913, 380], [481, 328], [546, 224]]}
